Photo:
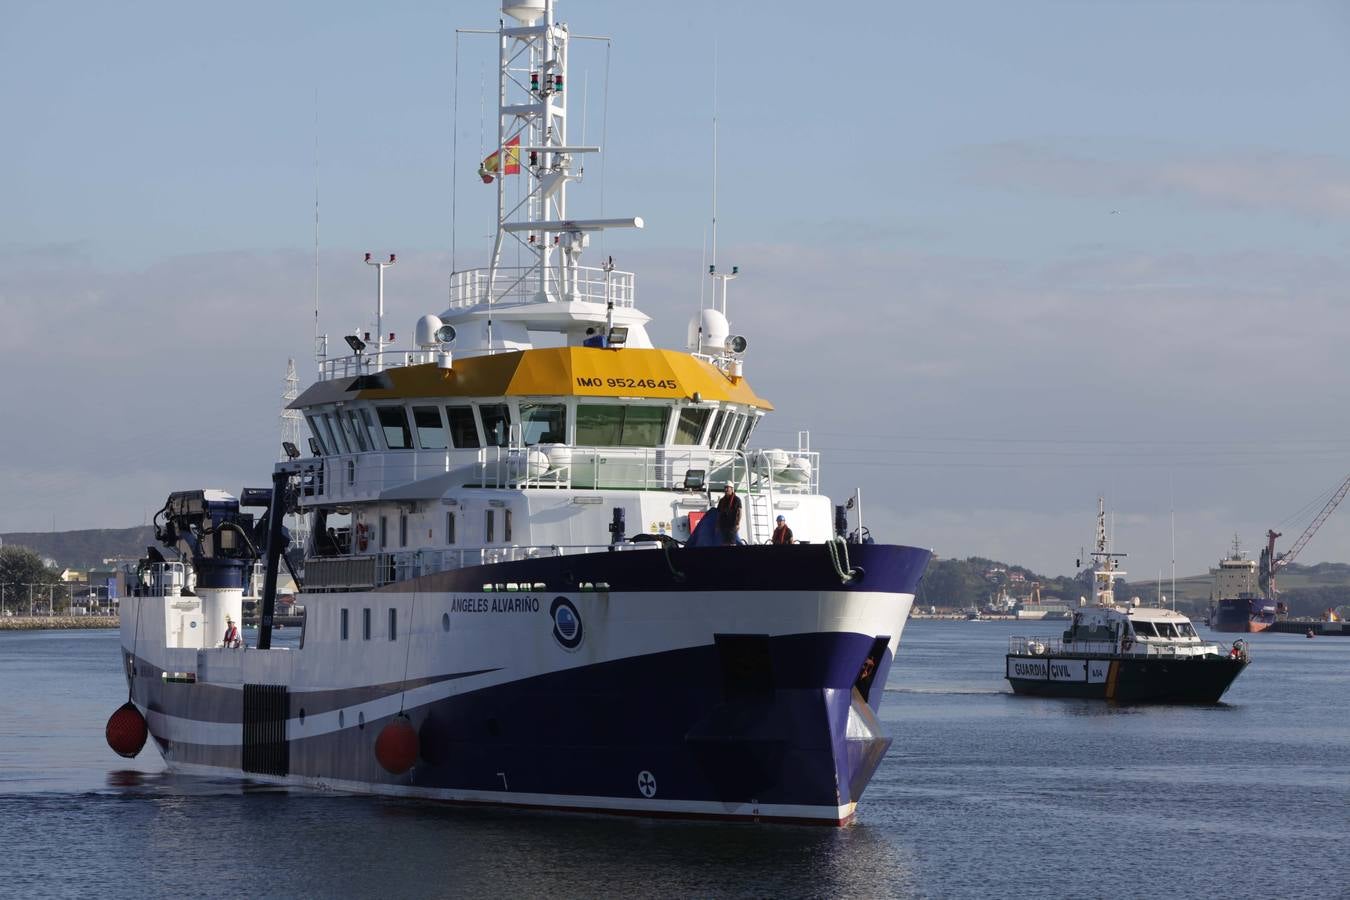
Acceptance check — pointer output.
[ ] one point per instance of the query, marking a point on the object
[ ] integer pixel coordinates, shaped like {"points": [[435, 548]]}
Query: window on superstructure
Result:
{"points": [[1143, 629], [365, 624], [342, 628], [690, 426], [430, 431], [450, 528], [599, 425], [543, 423], [751, 421], [372, 431], [463, 432], [326, 436], [384, 532], [1186, 630], [393, 624], [403, 529], [394, 421], [719, 422], [340, 439], [488, 525], [731, 428], [506, 526], [358, 431], [314, 430], [1166, 630], [608, 425], [496, 423]]}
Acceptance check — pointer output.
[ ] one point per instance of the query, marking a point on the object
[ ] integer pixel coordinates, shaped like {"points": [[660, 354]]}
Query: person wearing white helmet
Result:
{"points": [[231, 639]]}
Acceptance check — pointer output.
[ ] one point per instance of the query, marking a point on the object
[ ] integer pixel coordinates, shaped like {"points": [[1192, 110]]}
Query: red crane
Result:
{"points": [[1272, 564]]}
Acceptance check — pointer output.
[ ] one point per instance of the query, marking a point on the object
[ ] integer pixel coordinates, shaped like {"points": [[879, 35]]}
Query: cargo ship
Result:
{"points": [[1237, 605]]}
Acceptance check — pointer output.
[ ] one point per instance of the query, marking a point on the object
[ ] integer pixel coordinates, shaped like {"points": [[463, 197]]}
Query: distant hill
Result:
{"points": [[84, 549], [971, 582]]}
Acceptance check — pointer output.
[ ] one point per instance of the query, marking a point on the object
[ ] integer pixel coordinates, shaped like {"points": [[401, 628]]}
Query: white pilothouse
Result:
{"points": [[519, 590]]}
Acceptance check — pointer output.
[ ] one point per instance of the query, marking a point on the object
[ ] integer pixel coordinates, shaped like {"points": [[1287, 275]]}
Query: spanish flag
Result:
{"points": [[492, 164]]}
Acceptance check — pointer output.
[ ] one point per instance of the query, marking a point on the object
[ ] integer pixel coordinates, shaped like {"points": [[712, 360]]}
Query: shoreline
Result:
{"points": [[56, 623]]}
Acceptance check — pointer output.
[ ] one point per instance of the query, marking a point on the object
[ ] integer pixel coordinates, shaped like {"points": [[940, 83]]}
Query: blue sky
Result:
{"points": [[999, 257]]}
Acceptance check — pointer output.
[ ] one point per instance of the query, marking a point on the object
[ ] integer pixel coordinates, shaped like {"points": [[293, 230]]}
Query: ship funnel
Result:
{"points": [[526, 12]]}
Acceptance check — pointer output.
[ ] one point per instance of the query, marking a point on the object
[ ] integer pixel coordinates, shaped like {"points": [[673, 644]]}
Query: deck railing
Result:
{"points": [[1050, 646], [345, 573]]}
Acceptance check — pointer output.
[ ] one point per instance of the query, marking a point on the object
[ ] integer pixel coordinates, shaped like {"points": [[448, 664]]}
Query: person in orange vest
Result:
{"points": [[231, 634], [782, 534]]}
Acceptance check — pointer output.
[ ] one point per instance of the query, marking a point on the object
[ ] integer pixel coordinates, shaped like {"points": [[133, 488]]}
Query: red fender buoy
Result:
{"points": [[396, 747], [126, 731]]}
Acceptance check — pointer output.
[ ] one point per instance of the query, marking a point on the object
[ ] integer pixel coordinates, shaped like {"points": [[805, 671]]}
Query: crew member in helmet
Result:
{"points": [[231, 639], [729, 515], [782, 534]]}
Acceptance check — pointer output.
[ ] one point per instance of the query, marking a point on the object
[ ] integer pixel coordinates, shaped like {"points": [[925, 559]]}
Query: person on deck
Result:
{"points": [[729, 515], [782, 534], [231, 639]]}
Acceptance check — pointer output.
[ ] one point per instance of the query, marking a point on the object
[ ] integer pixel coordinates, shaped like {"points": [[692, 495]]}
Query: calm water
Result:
{"points": [[983, 794]]}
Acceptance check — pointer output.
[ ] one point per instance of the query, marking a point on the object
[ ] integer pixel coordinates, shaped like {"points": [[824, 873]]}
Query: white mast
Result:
{"points": [[532, 135], [290, 433], [1105, 571]]}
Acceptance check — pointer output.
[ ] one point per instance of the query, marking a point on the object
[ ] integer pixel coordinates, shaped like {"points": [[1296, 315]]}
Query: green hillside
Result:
{"points": [[84, 549]]}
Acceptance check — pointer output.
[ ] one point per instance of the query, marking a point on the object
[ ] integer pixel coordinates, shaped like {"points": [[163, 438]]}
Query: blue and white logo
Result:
{"points": [[566, 623]]}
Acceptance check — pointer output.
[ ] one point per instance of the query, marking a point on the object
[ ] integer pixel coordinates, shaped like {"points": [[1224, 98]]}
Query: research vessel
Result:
{"points": [[1123, 652], [516, 592]]}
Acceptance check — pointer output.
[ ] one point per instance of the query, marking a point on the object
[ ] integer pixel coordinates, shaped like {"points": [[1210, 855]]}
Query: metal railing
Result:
{"points": [[343, 573], [559, 467], [1048, 646], [518, 286]]}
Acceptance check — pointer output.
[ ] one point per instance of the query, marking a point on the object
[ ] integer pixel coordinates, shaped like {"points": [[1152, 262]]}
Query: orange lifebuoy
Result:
{"points": [[362, 541]]}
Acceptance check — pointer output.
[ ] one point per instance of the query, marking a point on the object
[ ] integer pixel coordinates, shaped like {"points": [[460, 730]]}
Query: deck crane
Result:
{"points": [[1272, 564]]}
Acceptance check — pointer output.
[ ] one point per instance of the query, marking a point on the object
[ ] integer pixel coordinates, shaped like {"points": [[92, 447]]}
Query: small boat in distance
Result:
{"points": [[1123, 652]]}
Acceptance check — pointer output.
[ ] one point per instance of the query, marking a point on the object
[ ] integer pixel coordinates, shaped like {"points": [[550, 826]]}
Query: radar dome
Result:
{"points": [[427, 326], [523, 11], [708, 332]]}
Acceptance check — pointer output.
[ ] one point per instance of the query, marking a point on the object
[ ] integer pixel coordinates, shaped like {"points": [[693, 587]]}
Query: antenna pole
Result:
{"points": [[379, 306]]}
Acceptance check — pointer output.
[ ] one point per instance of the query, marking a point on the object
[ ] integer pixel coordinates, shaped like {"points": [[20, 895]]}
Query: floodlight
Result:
{"points": [[445, 334], [618, 336], [355, 343], [292, 451], [736, 343]]}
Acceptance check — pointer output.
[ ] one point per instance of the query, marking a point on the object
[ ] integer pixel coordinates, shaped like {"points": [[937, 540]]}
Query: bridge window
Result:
{"points": [[621, 426], [371, 430], [719, 423], [496, 423], [1144, 629], [1166, 630], [430, 431], [358, 433], [690, 426], [314, 430], [730, 429], [339, 439], [751, 420], [543, 423], [394, 420], [463, 432]]}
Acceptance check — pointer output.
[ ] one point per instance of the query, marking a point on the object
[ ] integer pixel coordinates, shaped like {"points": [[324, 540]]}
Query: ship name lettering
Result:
{"points": [[494, 604]]}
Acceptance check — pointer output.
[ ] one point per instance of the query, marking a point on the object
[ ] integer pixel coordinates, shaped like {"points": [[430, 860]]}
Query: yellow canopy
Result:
{"points": [[565, 372]]}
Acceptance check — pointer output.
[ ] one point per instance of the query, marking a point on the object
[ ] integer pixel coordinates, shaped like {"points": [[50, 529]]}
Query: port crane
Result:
{"points": [[1272, 564]]}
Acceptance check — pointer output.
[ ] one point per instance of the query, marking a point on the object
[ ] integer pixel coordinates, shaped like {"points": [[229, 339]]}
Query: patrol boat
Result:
{"points": [[1123, 652], [514, 593]]}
